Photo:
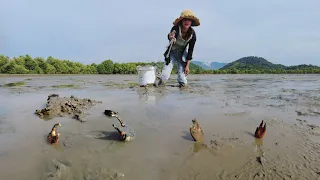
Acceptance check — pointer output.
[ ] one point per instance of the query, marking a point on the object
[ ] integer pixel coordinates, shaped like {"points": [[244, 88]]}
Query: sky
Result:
{"points": [[90, 31]]}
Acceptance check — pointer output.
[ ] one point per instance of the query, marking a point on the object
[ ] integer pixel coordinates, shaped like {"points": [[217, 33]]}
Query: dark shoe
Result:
{"points": [[160, 83], [182, 86]]}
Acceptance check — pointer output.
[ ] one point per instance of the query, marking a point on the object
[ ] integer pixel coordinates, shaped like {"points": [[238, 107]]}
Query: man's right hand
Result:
{"points": [[172, 34]]}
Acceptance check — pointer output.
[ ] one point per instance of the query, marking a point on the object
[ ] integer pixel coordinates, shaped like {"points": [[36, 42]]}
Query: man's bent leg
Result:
{"points": [[182, 78]]}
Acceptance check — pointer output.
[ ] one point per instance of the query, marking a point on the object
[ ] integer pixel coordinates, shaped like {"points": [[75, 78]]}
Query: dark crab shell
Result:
{"points": [[110, 113]]}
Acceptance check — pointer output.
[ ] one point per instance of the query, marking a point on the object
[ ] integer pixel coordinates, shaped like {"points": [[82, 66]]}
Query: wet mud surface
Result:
{"points": [[64, 172], [228, 108]]}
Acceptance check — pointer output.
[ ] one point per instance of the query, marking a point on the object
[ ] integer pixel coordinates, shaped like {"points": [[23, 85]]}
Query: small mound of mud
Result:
{"points": [[65, 106], [62, 172]]}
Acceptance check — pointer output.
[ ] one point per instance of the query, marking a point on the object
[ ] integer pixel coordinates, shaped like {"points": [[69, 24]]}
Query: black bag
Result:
{"points": [[167, 52], [167, 56]]}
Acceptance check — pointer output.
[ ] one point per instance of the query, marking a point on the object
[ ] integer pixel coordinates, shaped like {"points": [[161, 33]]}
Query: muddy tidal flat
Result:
{"points": [[227, 107]]}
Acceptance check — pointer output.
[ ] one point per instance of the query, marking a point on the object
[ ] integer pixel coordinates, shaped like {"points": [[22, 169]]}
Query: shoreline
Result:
{"points": [[6, 75]]}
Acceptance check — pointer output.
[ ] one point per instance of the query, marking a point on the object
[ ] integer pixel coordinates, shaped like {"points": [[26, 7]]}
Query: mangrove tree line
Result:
{"points": [[38, 65]]}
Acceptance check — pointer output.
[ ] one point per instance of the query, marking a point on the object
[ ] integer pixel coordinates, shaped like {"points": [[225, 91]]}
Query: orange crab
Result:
{"points": [[53, 136], [196, 131], [260, 131]]}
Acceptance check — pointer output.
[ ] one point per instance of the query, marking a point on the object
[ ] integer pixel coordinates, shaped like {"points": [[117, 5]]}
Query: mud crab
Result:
{"points": [[196, 131], [126, 133], [53, 136], [110, 113], [260, 131]]}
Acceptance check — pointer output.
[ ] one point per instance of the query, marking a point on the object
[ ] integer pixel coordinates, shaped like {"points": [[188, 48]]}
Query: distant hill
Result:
{"points": [[209, 65], [252, 62]]}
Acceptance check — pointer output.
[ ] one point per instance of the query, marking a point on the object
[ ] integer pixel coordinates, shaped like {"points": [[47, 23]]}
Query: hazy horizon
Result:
{"points": [[283, 32]]}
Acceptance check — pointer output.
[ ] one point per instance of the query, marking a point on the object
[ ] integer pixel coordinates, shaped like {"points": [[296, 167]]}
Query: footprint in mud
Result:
{"points": [[197, 147], [313, 126], [308, 112], [226, 143], [259, 150], [199, 164], [102, 174], [71, 139], [238, 113], [314, 131], [64, 172], [68, 142]]}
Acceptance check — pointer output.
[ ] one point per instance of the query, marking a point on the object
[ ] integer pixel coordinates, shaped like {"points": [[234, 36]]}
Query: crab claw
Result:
{"points": [[110, 113], [196, 131], [53, 136], [122, 134], [117, 128], [53, 139], [261, 130]]}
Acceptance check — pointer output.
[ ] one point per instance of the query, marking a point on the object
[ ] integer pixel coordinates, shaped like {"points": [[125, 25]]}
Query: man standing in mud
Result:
{"points": [[181, 36]]}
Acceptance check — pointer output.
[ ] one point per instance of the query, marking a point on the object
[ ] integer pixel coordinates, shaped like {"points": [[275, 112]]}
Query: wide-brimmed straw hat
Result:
{"points": [[187, 14]]}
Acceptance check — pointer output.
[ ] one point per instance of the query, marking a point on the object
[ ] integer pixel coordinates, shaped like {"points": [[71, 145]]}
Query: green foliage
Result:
{"points": [[13, 68], [106, 67], [20, 83], [246, 65], [3, 61]]}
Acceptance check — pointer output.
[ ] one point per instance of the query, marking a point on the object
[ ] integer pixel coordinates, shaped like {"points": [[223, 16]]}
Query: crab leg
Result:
{"points": [[121, 122]]}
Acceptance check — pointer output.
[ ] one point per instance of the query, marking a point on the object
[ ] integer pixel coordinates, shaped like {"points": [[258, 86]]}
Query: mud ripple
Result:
{"points": [[102, 174], [238, 113], [64, 172]]}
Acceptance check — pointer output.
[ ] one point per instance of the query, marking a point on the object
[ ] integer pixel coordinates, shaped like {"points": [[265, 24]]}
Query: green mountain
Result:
{"points": [[252, 62], [257, 65]]}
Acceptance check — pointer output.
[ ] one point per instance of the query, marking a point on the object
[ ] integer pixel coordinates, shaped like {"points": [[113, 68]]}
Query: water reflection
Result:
{"points": [[197, 147], [258, 145], [258, 142], [151, 95]]}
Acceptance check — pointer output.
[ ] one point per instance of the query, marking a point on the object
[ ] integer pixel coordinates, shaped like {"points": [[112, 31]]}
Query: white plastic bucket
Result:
{"points": [[146, 75]]}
